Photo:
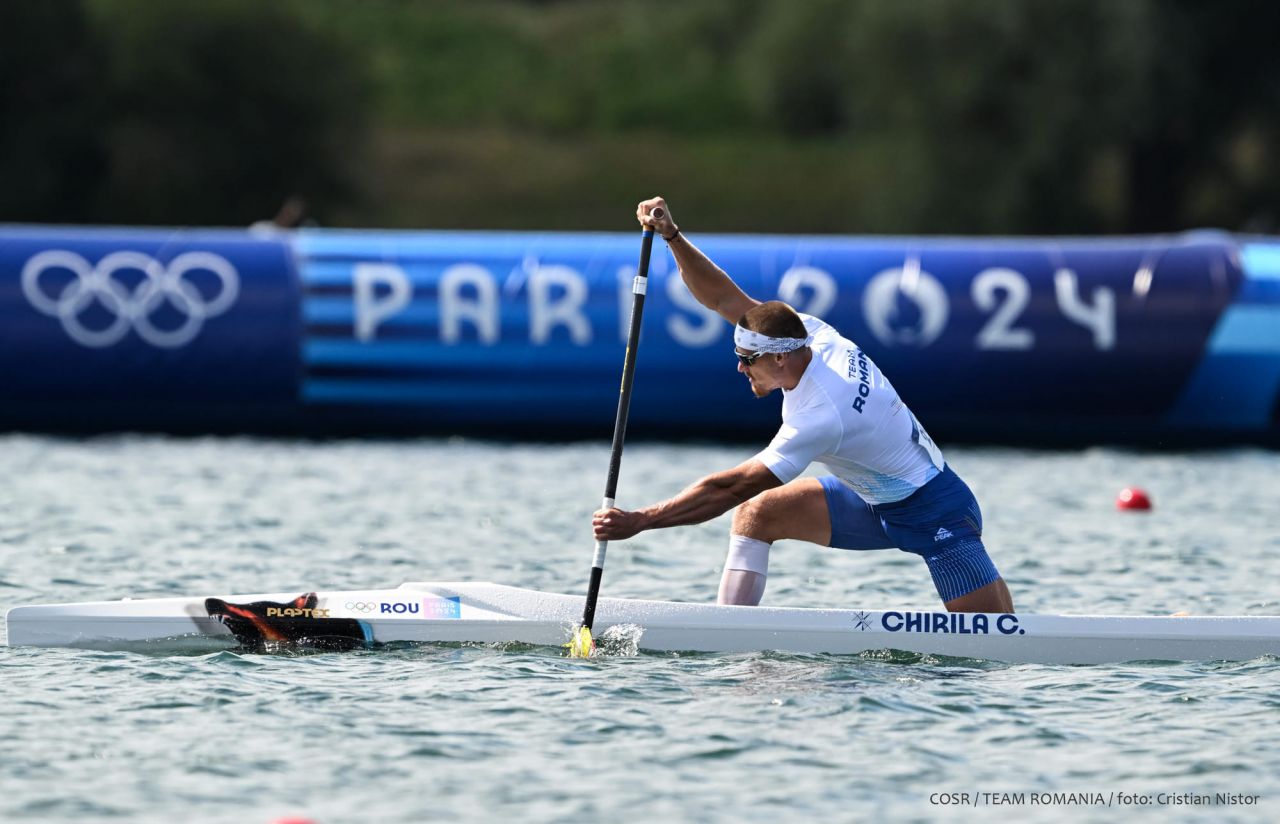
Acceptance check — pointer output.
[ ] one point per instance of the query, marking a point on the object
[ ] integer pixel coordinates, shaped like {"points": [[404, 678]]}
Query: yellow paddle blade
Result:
{"points": [[582, 644]]}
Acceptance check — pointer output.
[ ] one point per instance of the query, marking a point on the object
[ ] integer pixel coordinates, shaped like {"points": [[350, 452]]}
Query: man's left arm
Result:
{"points": [[701, 501]]}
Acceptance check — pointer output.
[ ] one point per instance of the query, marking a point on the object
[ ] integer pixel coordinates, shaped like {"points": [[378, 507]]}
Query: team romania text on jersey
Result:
{"points": [[845, 414]]}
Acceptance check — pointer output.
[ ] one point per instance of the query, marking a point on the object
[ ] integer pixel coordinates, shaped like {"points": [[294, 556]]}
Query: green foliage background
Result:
{"points": [[931, 116]]}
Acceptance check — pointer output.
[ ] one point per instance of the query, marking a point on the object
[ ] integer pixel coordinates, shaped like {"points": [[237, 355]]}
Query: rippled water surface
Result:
{"points": [[444, 733]]}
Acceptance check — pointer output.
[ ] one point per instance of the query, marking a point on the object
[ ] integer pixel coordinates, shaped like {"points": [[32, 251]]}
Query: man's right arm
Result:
{"points": [[701, 501], [706, 281]]}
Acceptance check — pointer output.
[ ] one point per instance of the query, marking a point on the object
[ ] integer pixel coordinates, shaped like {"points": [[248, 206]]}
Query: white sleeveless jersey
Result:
{"points": [[845, 414]]}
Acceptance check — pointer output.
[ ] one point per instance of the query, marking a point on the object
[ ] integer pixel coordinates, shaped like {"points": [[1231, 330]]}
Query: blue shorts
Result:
{"points": [[940, 522]]}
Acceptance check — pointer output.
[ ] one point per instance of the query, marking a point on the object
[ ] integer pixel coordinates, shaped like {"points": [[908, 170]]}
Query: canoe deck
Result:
{"points": [[492, 613]]}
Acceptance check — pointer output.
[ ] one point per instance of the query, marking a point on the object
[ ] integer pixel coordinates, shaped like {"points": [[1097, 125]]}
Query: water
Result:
{"points": [[467, 733]]}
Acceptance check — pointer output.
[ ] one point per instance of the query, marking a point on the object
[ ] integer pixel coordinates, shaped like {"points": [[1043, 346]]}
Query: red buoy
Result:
{"points": [[1131, 497]]}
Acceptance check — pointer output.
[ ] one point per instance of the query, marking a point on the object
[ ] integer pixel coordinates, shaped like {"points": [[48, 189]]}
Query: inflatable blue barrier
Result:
{"points": [[1141, 340], [179, 330]]}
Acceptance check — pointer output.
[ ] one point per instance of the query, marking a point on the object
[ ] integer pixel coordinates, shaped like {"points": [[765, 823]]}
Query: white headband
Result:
{"points": [[756, 342]]}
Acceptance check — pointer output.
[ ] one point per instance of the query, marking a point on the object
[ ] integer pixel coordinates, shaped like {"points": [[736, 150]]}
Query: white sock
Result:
{"points": [[741, 587], [747, 553], [745, 570]]}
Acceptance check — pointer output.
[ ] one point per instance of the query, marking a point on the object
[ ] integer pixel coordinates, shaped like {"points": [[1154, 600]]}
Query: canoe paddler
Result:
{"points": [[888, 486]]}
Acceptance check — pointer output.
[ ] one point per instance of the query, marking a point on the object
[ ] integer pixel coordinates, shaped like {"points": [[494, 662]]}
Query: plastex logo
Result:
{"points": [[97, 284], [296, 612]]}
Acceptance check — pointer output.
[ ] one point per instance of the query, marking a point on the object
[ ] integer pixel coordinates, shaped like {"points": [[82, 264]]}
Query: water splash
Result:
{"points": [[620, 641]]}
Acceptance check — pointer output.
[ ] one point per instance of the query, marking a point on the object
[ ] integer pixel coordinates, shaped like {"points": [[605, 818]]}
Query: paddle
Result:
{"points": [[582, 644]]}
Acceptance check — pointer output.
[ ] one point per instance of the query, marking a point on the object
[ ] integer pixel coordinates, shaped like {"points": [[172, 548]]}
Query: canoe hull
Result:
{"points": [[485, 613]]}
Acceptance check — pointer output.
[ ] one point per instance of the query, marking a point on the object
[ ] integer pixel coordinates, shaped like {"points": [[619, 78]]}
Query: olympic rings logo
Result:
{"points": [[132, 309], [361, 606]]}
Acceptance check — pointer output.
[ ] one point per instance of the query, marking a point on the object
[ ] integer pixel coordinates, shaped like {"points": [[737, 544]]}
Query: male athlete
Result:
{"points": [[889, 485]]}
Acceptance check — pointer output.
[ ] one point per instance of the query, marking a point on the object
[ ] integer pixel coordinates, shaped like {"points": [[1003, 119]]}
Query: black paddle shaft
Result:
{"points": [[624, 409], [629, 367]]}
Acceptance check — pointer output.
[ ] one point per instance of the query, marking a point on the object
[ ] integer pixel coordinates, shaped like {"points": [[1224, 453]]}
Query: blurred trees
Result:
{"points": [[51, 155], [171, 113], [978, 116]]}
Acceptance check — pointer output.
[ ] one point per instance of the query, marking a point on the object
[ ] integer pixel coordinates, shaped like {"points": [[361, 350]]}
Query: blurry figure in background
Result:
{"points": [[292, 215], [890, 486]]}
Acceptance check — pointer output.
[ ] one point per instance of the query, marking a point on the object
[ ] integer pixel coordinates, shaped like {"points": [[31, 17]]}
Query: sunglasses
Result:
{"points": [[748, 360]]}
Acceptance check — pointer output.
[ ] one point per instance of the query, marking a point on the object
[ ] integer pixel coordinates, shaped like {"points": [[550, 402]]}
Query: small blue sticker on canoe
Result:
{"points": [[437, 607]]}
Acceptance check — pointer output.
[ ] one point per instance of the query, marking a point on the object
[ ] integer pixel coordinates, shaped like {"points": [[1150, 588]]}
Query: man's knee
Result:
{"points": [[796, 510], [757, 517], [994, 597]]}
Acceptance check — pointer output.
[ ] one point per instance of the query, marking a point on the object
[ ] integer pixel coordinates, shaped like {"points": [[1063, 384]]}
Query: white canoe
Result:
{"points": [[492, 613]]}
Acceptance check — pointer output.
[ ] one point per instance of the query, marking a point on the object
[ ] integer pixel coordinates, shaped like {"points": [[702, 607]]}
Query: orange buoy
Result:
{"points": [[1131, 497]]}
